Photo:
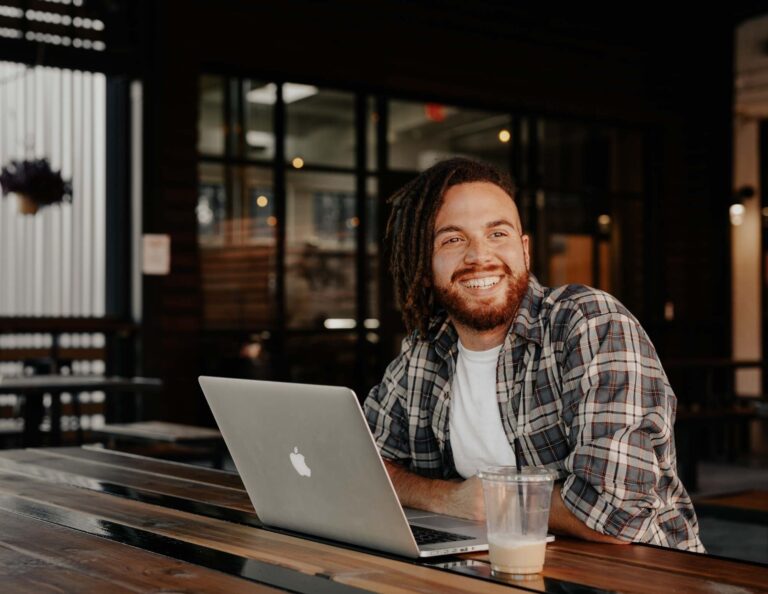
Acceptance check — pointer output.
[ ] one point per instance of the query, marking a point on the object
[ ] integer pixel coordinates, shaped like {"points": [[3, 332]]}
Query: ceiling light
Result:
{"points": [[736, 213], [292, 92], [339, 323], [257, 138]]}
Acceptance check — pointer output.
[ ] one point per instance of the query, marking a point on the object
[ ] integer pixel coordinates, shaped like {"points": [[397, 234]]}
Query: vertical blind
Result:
{"points": [[53, 263]]}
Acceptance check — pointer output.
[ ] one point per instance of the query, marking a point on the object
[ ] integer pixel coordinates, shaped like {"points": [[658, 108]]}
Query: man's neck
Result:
{"points": [[475, 340]]}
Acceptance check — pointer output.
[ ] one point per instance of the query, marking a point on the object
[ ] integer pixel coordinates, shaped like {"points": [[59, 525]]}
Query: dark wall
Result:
{"points": [[671, 74]]}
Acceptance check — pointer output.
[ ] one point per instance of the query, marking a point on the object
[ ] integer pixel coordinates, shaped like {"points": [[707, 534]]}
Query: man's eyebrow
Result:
{"points": [[448, 229], [490, 225], [499, 223]]}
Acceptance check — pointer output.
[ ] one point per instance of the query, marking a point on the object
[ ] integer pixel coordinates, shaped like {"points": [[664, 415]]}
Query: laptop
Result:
{"points": [[310, 465]]}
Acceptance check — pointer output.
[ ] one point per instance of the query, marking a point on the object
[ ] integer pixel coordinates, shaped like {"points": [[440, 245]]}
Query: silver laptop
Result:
{"points": [[310, 464]]}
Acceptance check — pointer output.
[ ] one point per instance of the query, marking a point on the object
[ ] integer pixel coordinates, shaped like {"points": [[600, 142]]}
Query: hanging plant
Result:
{"points": [[35, 183]]}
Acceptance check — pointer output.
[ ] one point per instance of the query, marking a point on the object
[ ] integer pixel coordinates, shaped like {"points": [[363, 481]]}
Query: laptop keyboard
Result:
{"points": [[427, 536]]}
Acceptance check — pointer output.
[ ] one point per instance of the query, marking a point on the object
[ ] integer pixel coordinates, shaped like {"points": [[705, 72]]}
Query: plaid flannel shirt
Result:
{"points": [[579, 383]]}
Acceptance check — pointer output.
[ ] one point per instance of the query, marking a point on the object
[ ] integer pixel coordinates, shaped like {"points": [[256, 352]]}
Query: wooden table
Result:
{"points": [[34, 387], [91, 520]]}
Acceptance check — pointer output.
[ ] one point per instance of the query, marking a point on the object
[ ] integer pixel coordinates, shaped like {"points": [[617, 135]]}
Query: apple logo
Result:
{"points": [[299, 464]]}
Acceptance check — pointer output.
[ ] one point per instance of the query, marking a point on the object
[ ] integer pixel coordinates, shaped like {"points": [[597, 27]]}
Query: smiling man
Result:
{"points": [[493, 358]]}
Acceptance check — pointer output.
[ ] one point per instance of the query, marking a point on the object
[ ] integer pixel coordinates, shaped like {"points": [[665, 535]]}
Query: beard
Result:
{"points": [[475, 314]]}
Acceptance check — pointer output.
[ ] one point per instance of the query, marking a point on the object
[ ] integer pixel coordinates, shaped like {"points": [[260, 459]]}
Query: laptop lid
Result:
{"points": [[309, 463]]}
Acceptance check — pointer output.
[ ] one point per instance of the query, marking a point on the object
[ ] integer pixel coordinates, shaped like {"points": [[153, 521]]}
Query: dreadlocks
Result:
{"points": [[411, 227]]}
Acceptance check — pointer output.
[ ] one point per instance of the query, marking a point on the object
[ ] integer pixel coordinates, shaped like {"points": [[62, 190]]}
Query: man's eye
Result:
{"points": [[499, 234], [452, 240]]}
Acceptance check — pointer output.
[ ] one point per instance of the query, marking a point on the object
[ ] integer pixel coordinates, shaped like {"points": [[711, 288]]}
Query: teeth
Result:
{"points": [[481, 283]]}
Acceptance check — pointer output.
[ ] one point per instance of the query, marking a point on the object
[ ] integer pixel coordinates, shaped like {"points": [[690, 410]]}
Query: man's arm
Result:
{"points": [[464, 499], [618, 410], [562, 521]]}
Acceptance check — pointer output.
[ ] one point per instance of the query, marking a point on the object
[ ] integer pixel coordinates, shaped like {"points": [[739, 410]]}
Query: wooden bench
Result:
{"points": [[166, 440]]}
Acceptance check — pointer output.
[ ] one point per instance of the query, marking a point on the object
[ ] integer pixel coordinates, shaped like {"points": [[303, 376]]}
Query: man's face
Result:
{"points": [[479, 257]]}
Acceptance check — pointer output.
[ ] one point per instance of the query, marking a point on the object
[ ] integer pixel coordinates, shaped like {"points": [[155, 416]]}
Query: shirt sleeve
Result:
{"points": [[619, 411], [385, 409]]}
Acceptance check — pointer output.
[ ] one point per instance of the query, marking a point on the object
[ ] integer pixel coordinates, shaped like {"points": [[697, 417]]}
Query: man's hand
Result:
{"points": [[463, 499], [466, 499]]}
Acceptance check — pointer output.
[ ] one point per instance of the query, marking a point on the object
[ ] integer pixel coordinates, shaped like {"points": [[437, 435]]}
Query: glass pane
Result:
{"points": [[258, 124], [210, 129], [570, 259], [627, 161], [372, 250], [372, 119], [562, 146], [327, 358], [211, 203], [320, 250], [237, 252], [567, 213], [238, 353], [320, 128], [604, 255], [421, 134], [628, 240]]}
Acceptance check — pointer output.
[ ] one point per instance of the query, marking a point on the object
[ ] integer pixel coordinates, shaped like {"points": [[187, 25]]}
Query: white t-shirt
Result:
{"points": [[477, 437]]}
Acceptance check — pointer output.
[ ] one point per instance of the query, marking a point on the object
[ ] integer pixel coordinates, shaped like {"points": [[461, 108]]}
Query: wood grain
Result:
{"points": [[51, 478], [46, 466], [151, 465], [39, 557], [748, 500], [345, 566]]}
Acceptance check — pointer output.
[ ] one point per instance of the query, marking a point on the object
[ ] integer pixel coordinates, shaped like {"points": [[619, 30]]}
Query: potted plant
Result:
{"points": [[35, 183]]}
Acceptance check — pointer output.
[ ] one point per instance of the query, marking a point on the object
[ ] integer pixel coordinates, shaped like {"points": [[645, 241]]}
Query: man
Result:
{"points": [[494, 358]]}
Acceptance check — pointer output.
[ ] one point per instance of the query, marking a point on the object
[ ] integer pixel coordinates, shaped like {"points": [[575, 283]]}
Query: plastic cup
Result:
{"points": [[517, 513]]}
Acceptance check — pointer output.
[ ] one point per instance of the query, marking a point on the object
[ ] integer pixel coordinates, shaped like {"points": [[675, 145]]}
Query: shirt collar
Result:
{"points": [[527, 322]]}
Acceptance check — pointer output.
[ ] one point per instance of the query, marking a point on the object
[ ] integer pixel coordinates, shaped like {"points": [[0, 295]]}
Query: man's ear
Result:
{"points": [[526, 251]]}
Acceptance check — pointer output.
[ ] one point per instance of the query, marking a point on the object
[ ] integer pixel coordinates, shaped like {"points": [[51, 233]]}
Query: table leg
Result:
{"points": [[33, 416], [56, 418], [77, 410]]}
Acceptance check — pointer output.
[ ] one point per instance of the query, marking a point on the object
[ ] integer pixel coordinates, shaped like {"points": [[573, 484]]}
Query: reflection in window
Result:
{"points": [[322, 358], [210, 129], [626, 161], [261, 202], [211, 203], [237, 247], [334, 216], [568, 213], [372, 119], [421, 134], [372, 249], [570, 259], [259, 135], [320, 249], [320, 126], [575, 155], [562, 153]]}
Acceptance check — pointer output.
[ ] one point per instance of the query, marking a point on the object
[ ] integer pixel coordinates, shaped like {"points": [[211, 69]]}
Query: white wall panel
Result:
{"points": [[53, 263]]}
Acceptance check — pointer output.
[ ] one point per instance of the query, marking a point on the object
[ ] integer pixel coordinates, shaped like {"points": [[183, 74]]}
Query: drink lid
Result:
{"points": [[510, 474]]}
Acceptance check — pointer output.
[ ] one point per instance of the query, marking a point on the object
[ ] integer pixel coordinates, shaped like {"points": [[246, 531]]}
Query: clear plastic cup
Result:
{"points": [[517, 513]]}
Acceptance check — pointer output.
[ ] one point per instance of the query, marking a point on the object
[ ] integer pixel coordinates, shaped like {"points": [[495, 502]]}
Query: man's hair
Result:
{"points": [[411, 227]]}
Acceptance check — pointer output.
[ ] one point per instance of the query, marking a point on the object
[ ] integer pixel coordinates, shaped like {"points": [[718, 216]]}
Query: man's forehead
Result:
{"points": [[493, 197]]}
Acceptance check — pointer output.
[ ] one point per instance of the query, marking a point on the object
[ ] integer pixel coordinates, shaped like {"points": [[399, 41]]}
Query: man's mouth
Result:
{"points": [[481, 283]]}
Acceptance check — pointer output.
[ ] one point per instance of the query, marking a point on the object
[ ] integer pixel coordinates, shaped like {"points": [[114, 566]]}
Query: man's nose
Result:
{"points": [[477, 251]]}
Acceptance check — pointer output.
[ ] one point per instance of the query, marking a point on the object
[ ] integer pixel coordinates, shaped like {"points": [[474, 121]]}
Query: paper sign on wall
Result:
{"points": [[156, 254]]}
